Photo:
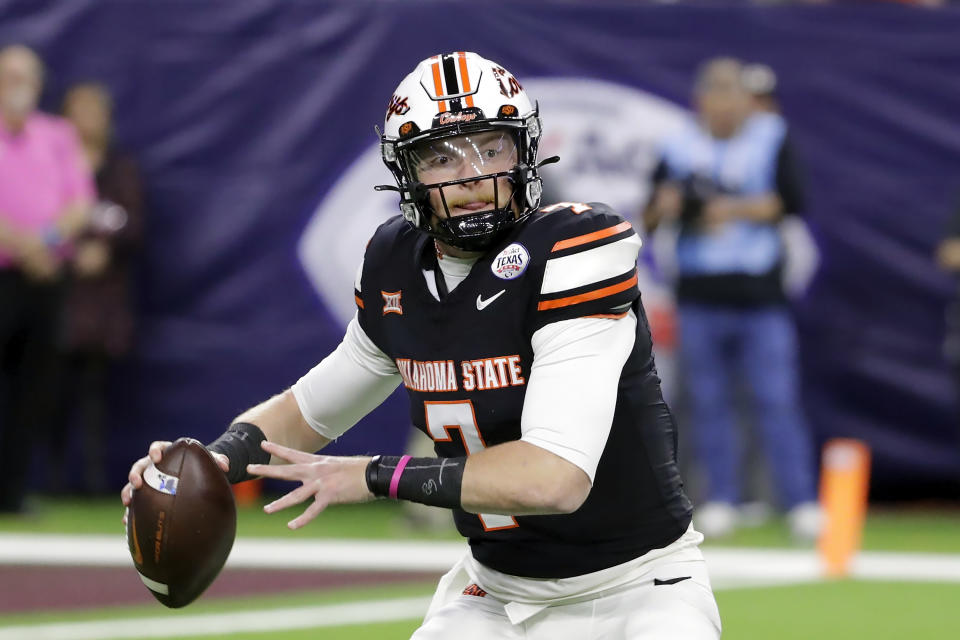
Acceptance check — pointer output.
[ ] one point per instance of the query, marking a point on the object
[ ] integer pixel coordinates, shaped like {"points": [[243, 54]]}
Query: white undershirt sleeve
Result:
{"points": [[346, 385], [572, 388]]}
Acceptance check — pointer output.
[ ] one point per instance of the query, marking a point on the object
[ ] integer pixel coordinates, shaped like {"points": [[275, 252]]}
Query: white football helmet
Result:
{"points": [[470, 116]]}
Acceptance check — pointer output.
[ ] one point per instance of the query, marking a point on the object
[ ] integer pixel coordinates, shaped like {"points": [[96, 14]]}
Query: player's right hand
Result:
{"points": [[154, 455]]}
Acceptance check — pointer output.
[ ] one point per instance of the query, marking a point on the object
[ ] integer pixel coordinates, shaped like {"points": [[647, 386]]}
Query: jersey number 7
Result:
{"points": [[442, 417]]}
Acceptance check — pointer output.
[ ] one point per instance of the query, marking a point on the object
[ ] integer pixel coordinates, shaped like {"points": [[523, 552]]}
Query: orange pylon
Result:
{"points": [[844, 485]]}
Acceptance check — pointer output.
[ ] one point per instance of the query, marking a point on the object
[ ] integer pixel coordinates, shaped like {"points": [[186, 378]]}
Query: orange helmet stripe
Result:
{"points": [[438, 85], [465, 77]]}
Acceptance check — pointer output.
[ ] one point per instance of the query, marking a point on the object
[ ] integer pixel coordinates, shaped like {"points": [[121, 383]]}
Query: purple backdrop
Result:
{"points": [[244, 114]]}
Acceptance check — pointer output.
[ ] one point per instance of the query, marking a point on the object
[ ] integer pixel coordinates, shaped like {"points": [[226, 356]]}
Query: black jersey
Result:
{"points": [[465, 360]]}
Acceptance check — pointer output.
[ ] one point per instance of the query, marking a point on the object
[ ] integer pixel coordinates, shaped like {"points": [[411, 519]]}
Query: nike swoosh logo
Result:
{"points": [[657, 581], [483, 304]]}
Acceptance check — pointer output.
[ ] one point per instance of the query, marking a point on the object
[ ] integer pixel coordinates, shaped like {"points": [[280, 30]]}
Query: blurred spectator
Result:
{"points": [[726, 181], [798, 266], [761, 81], [98, 312], [45, 195], [801, 256]]}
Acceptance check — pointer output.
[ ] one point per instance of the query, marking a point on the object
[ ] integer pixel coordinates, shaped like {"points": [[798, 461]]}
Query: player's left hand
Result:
{"points": [[327, 479]]}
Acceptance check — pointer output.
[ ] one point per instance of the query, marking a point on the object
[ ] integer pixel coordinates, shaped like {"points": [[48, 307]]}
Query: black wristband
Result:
{"points": [[431, 481], [241, 444], [373, 475]]}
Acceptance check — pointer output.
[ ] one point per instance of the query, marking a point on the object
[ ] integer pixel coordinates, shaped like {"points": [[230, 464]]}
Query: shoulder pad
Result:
{"points": [[570, 227], [573, 218], [589, 257], [391, 242], [386, 240], [387, 235]]}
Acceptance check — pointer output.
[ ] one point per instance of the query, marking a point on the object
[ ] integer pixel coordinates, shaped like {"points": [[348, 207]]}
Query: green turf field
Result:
{"points": [[842, 610], [847, 610], [382, 631]]}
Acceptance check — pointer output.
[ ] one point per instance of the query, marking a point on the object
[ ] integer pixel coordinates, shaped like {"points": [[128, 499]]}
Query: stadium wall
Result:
{"points": [[253, 122]]}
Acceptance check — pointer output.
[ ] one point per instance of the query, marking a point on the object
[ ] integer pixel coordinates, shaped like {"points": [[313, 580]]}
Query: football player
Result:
{"points": [[518, 333]]}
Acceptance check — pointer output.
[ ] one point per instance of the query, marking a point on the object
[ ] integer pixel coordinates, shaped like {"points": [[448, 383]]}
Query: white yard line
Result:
{"points": [[220, 624], [733, 567], [925, 567], [248, 553]]}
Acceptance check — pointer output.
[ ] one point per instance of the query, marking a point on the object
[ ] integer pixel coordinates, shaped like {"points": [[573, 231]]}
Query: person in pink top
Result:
{"points": [[46, 190]]}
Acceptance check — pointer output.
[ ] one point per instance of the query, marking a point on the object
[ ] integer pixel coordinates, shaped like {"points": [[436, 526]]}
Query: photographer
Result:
{"points": [[726, 180]]}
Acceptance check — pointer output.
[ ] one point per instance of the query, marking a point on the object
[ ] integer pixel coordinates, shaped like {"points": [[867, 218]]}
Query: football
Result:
{"points": [[181, 524]]}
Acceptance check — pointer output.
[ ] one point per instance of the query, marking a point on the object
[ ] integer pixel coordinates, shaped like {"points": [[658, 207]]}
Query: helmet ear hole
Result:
{"points": [[534, 193], [411, 213]]}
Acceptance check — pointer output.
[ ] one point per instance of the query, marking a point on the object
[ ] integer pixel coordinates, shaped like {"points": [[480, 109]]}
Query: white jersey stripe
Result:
{"points": [[592, 265], [356, 281]]}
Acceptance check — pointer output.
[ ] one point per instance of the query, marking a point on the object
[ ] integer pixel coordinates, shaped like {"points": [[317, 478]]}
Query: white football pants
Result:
{"points": [[656, 607]]}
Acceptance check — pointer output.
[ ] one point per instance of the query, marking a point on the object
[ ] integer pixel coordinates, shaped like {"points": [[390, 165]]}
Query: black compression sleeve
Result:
{"points": [[241, 444], [431, 481]]}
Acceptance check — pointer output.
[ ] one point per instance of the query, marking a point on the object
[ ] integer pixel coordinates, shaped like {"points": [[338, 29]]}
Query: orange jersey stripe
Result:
{"points": [[590, 237], [613, 316], [438, 86], [589, 295], [359, 301], [465, 77]]}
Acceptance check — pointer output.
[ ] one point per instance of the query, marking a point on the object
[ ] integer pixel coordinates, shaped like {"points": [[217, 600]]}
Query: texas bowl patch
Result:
{"points": [[511, 262]]}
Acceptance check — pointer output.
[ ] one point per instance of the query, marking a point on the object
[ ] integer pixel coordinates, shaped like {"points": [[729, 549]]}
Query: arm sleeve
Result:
{"points": [[572, 389], [789, 182], [346, 385]]}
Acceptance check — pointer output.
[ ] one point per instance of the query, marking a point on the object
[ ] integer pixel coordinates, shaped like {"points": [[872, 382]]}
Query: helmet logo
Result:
{"points": [[406, 128], [508, 110], [450, 118], [398, 106], [512, 87]]}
